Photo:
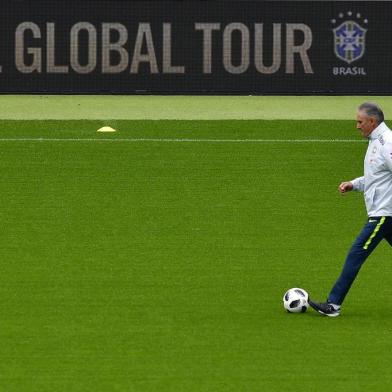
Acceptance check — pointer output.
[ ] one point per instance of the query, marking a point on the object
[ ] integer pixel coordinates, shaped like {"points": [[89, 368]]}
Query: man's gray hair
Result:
{"points": [[372, 110]]}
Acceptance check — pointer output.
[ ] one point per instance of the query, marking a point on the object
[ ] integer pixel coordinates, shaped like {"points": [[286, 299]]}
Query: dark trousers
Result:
{"points": [[375, 229]]}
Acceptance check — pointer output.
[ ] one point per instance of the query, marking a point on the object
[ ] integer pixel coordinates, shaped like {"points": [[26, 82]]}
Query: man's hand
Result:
{"points": [[346, 186]]}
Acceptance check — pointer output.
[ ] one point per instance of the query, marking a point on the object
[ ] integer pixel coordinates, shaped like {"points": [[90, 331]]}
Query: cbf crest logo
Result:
{"points": [[349, 41]]}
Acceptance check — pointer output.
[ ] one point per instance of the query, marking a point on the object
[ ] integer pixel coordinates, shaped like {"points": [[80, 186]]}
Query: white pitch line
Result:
{"points": [[182, 140]]}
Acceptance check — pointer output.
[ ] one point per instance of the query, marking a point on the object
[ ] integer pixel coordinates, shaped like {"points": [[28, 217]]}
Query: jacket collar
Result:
{"points": [[377, 132]]}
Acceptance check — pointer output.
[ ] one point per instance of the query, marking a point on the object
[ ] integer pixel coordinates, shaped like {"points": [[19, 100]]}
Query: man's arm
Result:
{"points": [[354, 185], [358, 184], [387, 155]]}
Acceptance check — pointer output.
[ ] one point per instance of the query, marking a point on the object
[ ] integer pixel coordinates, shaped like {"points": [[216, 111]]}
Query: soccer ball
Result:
{"points": [[295, 300]]}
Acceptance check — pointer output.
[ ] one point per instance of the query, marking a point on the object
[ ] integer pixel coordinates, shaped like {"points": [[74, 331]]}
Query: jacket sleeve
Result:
{"points": [[387, 155], [358, 184]]}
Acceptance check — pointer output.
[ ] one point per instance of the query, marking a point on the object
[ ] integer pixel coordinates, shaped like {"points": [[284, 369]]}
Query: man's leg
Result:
{"points": [[388, 234], [372, 233]]}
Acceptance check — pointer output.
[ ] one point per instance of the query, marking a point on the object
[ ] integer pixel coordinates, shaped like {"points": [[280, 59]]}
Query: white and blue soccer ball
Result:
{"points": [[295, 300]]}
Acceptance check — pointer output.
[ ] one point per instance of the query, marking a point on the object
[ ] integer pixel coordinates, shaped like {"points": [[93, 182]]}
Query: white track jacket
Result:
{"points": [[377, 181]]}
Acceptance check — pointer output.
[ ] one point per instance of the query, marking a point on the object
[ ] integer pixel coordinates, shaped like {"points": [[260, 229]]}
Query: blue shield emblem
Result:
{"points": [[349, 41]]}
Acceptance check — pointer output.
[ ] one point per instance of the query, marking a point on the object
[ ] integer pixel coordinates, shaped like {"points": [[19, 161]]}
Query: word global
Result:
{"points": [[110, 48]]}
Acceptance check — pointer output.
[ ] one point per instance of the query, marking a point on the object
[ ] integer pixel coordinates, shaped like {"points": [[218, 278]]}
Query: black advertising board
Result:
{"points": [[196, 47]]}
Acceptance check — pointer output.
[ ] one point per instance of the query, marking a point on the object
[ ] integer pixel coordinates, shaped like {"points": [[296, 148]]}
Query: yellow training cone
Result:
{"points": [[106, 129]]}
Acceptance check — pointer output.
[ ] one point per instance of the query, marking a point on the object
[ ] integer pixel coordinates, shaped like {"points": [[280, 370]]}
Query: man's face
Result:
{"points": [[365, 123]]}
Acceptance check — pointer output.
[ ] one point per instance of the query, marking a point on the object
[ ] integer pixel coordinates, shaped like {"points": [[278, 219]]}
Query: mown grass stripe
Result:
{"points": [[180, 140]]}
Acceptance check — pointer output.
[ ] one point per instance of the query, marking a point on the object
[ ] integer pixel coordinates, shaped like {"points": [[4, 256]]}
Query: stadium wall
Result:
{"points": [[196, 47]]}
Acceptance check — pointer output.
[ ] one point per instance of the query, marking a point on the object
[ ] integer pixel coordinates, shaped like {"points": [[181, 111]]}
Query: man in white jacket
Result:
{"points": [[376, 184]]}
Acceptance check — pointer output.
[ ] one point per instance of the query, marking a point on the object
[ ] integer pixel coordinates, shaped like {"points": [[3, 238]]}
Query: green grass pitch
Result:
{"points": [[161, 265]]}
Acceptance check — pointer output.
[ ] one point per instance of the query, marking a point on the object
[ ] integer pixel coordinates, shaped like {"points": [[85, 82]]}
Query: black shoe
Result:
{"points": [[325, 308]]}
